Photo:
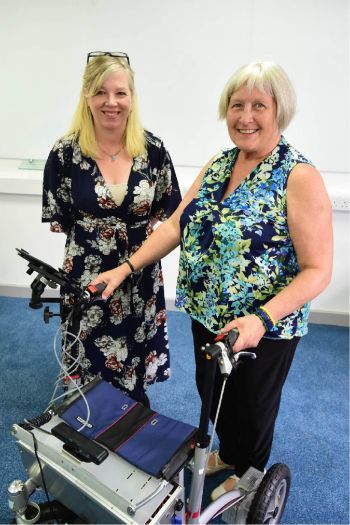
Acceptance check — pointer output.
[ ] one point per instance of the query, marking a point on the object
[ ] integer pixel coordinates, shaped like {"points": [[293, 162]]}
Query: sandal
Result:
{"points": [[229, 484], [217, 465]]}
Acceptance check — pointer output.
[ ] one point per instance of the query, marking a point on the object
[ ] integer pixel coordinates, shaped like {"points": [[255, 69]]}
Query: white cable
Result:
{"points": [[65, 371], [216, 420], [88, 413]]}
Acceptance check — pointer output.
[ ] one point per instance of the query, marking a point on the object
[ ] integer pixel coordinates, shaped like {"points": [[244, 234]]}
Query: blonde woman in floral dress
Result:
{"points": [[106, 183], [255, 231]]}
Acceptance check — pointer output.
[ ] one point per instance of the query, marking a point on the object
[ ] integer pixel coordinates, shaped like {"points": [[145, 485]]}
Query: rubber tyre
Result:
{"points": [[271, 497]]}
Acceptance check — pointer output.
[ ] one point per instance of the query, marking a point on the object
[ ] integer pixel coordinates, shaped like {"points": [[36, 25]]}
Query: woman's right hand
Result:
{"points": [[250, 329], [112, 278]]}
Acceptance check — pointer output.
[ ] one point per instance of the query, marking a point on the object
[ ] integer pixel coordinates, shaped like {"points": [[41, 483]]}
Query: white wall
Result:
{"points": [[183, 53]]}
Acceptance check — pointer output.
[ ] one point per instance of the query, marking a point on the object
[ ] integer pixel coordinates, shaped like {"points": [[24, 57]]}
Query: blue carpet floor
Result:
{"points": [[312, 431]]}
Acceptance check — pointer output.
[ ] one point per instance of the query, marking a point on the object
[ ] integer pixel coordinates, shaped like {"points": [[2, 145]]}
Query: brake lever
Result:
{"points": [[242, 353], [222, 350], [229, 359]]}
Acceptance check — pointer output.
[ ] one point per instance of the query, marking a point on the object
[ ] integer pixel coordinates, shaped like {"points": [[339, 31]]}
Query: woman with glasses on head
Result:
{"points": [[106, 183], [256, 246]]}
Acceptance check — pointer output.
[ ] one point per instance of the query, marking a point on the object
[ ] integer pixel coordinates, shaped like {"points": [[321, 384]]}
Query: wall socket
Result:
{"points": [[340, 203]]}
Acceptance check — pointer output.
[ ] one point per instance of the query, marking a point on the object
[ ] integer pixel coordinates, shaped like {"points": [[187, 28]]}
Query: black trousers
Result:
{"points": [[251, 400]]}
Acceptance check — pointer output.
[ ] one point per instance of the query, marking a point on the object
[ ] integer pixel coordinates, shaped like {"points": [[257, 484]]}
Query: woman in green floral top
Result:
{"points": [[255, 231]]}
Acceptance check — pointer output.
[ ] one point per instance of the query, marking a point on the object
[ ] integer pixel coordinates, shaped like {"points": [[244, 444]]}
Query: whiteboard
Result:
{"points": [[183, 52]]}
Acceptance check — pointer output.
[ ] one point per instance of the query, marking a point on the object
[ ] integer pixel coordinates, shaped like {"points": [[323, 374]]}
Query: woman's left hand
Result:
{"points": [[251, 330]]}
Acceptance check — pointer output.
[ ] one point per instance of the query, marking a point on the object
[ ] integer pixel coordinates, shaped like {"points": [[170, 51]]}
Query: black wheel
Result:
{"points": [[271, 497]]}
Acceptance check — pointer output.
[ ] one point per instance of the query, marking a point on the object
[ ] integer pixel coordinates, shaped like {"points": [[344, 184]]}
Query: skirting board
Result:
{"points": [[316, 316]]}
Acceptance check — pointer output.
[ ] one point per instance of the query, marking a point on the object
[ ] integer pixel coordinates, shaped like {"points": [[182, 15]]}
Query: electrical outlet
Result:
{"points": [[340, 203]]}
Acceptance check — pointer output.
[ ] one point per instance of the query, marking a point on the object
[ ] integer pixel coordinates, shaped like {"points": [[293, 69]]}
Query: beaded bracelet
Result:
{"points": [[266, 318], [269, 314], [128, 262]]}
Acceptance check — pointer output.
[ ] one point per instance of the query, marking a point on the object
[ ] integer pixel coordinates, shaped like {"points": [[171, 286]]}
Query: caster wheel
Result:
{"points": [[271, 497]]}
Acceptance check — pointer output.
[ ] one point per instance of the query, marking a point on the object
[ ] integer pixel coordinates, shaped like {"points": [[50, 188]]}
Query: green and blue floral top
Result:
{"points": [[236, 252]]}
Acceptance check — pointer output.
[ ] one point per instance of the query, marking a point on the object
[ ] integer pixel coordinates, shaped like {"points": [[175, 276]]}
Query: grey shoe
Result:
{"points": [[218, 465]]}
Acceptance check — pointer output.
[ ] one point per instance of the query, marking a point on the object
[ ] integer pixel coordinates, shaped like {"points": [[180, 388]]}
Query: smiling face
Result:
{"points": [[251, 121], [111, 105]]}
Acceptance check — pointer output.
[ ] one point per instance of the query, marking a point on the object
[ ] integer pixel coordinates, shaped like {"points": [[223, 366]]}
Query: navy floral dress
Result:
{"points": [[125, 338]]}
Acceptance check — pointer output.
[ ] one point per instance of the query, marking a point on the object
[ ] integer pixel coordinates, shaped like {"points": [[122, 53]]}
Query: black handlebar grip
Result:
{"points": [[232, 336], [95, 290]]}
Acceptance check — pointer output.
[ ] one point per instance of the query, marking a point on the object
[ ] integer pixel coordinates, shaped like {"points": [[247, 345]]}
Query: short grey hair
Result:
{"points": [[268, 77]]}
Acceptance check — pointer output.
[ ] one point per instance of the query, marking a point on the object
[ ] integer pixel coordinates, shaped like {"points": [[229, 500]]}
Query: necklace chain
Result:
{"points": [[112, 156]]}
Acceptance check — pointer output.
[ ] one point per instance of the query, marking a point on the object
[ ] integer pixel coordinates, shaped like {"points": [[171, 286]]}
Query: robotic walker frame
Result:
{"points": [[86, 483]]}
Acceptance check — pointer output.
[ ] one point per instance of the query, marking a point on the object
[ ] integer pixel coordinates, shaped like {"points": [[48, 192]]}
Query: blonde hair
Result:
{"points": [[268, 77], [82, 126]]}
